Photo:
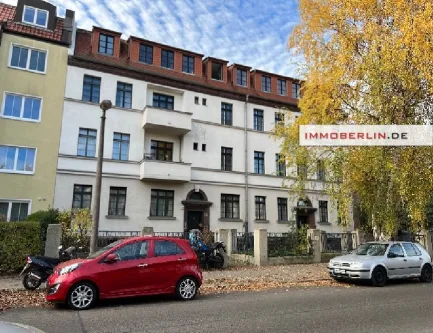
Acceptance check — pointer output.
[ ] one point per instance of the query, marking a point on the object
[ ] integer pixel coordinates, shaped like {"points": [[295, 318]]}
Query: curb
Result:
{"points": [[30, 329]]}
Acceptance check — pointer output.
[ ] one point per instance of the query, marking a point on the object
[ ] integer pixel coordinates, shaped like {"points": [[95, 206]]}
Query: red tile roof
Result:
{"points": [[7, 15]]}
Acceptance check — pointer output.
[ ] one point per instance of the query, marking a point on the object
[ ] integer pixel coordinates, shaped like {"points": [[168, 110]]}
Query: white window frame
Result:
{"points": [[22, 107], [28, 58], [11, 201], [35, 17], [16, 160]]}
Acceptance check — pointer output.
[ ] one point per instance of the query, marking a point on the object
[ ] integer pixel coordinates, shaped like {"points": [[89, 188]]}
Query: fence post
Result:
{"points": [[147, 231], [360, 237], [260, 247], [231, 237], [52, 243], [428, 242], [316, 243]]}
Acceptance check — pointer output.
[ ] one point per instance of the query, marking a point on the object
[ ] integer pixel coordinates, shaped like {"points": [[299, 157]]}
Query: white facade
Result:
{"points": [[190, 169]]}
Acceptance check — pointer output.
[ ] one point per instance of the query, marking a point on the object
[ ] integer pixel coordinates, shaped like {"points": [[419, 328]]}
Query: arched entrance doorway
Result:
{"points": [[196, 211], [305, 213]]}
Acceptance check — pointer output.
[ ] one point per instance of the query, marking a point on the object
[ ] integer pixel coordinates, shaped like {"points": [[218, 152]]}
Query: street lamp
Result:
{"points": [[105, 105]]}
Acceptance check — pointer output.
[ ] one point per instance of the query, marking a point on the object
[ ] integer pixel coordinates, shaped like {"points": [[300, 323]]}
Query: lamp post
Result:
{"points": [[105, 105]]}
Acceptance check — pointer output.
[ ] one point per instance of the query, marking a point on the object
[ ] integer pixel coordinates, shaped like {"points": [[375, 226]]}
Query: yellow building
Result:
{"points": [[34, 44]]}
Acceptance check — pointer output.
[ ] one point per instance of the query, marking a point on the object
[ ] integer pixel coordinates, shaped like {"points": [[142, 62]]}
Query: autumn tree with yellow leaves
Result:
{"points": [[366, 62]]}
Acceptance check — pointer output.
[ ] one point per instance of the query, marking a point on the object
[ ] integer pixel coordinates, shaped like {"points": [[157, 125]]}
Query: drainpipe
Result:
{"points": [[246, 162]]}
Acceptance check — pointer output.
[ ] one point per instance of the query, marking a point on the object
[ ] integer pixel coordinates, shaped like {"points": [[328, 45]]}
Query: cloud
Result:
{"points": [[249, 32]]}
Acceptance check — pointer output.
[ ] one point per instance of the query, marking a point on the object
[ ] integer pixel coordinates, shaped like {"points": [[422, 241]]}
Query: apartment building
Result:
{"points": [[187, 142], [34, 45]]}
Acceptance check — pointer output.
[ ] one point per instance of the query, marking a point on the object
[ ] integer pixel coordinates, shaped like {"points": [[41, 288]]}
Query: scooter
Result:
{"points": [[39, 268], [209, 256]]}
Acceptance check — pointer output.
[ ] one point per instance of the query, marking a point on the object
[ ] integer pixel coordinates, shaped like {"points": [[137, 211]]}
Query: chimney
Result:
{"points": [[69, 28]]}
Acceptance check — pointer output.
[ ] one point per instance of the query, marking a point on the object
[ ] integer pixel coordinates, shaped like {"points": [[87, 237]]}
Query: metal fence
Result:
{"points": [[108, 237], [243, 243], [338, 242], [183, 235], [286, 244]]}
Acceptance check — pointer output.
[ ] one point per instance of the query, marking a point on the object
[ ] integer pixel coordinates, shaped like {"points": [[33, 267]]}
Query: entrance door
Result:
{"points": [[301, 220], [194, 220]]}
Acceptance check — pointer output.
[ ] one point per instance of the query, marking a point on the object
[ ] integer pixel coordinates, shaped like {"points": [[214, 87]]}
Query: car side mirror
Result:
{"points": [[111, 258], [392, 255]]}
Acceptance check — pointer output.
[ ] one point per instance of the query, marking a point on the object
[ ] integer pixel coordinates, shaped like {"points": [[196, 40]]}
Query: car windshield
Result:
{"points": [[372, 249], [104, 249]]}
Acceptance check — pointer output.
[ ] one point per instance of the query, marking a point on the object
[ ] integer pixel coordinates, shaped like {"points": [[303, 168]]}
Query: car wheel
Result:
{"points": [[379, 277], [186, 289], [82, 296], [30, 282], [426, 274]]}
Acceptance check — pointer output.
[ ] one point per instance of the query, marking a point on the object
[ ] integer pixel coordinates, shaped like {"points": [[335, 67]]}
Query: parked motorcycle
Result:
{"points": [[209, 256], [39, 268]]}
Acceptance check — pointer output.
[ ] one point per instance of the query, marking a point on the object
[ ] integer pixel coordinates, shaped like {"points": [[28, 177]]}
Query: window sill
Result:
{"points": [[17, 172], [230, 220], [261, 221], [172, 218], [21, 119], [283, 222], [116, 217], [27, 70], [324, 223]]}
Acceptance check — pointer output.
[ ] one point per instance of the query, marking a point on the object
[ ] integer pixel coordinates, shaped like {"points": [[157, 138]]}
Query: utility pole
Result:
{"points": [[105, 105]]}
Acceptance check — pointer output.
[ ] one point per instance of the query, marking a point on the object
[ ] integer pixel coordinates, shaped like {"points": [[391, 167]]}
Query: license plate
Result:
{"points": [[341, 271]]}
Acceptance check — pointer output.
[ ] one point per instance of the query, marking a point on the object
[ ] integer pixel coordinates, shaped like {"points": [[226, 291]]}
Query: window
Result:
{"points": [[296, 90], [266, 83], [260, 208], [320, 170], [28, 59], [258, 120], [229, 206], [241, 77], [17, 159], [163, 101], [82, 197], [280, 165], [91, 88], [282, 87], [124, 95], [203, 101], [117, 204], [120, 146], [301, 170], [167, 59], [22, 107], [146, 54], [397, 250], [259, 162], [86, 142], [161, 151], [282, 209], [106, 44], [35, 16], [226, 159], [196, 100], [323, 211], [279, 118], [167, 248], [188, 64], [161, 203], [195, 145], [133, 251], [217, 72], [203, 147], [410, 250], [226, 114], [14, 211]]}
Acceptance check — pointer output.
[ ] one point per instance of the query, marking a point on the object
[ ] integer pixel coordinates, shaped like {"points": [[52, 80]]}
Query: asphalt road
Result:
{"points": [[399, 307]]}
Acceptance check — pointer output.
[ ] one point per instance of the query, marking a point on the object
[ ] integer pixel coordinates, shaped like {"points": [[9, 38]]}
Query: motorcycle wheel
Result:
{"points": [[218, 261], [30, 283]]}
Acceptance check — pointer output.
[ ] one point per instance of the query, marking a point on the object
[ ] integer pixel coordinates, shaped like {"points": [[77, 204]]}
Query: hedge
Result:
{"points": [[44, 217], [18, 240]]}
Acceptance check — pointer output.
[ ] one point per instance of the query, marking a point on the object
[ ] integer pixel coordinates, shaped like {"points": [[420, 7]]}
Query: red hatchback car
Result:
{"points": [[132, 267]]}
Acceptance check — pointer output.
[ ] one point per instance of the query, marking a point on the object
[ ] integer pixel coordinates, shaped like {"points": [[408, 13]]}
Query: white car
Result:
{"points": [[382, 261]]}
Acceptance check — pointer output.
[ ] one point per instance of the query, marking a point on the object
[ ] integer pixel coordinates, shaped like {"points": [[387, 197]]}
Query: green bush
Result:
{"points": [[44, 217], [17, 240]]}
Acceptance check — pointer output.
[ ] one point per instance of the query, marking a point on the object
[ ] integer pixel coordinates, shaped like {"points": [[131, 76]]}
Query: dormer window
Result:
{"points": [[167, 59], [266, 83], [296, 90], [35, 16], [217, 71], [241, 77], [106, 44]]}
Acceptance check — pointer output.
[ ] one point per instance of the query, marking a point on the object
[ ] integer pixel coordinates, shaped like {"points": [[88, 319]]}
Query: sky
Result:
{"points": [[248, 32]]}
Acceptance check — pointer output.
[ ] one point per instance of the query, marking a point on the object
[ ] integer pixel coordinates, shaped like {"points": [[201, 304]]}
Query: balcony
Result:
{"points": [[152, 169], [167, 121]]}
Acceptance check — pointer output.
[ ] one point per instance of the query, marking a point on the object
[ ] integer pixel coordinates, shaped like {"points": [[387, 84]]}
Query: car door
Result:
{"points": [[414, 258], [126, 276], [166, 264], [396, 262]]}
